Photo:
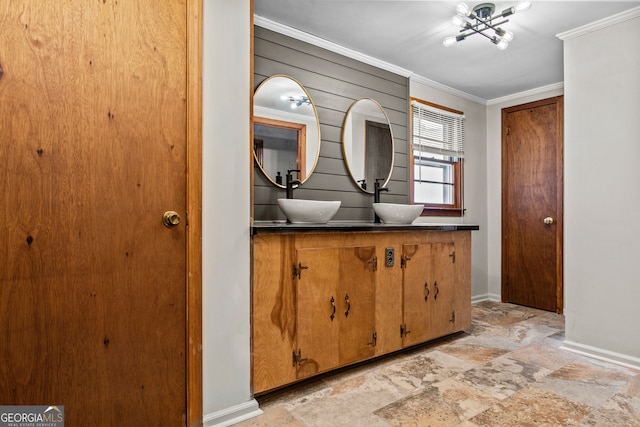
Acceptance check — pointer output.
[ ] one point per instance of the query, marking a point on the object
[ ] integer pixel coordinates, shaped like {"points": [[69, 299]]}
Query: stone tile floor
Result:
{"points": [[506, 370]]}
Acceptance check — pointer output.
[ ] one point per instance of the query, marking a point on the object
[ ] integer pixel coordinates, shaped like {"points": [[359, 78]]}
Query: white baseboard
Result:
{"points": [[601, 354], [485, 297], [232, 415]]}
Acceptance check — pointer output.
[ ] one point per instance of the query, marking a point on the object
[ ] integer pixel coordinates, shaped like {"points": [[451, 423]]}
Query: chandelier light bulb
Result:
{"points": [[463, 9], [502, 45], [459, 21], [504, 35], [523, 5], [449, 41]]}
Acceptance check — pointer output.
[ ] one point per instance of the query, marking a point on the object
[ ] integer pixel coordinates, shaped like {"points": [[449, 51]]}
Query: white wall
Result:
{"points": [[494, 179], [602, 210], [226, 182], [475, 178]]}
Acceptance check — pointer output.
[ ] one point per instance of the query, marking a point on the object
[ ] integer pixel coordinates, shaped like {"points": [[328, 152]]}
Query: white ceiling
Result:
{"points": [[408, 34]]}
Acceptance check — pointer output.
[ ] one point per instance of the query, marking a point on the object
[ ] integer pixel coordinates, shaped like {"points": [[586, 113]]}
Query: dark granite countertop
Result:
{"points": [[281, 227]]}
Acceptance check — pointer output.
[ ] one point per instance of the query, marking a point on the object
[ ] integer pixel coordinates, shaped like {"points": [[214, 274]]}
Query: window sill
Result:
{"points": [[442, 211]]}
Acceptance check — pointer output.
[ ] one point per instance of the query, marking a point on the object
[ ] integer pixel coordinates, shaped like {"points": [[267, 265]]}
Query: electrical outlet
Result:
{"points": [[389, 257]]}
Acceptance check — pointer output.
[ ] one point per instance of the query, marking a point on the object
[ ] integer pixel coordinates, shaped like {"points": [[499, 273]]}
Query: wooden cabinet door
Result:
{"points": [[335, 307], [318, 314], [357, 296], [417, 288], [443, 298], [430, 291]]}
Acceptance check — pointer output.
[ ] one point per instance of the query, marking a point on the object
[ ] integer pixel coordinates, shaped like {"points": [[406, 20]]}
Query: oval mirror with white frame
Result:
{"points": [[367, 144], [286, 129]]}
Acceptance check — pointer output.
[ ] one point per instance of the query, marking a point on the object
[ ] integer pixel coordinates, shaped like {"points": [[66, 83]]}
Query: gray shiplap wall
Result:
{"points": [[334, 83]]}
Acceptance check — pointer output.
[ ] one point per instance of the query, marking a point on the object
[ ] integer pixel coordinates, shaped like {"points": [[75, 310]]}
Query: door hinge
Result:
{"points": [[374, 262], [453, 317], [297, 270], [403, 330], [297, 358], [403, 261], [374, 340], [508, 130]]}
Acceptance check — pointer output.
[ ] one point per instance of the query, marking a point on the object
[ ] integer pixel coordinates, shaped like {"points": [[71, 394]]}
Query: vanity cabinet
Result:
{"points": [[326, 299]]}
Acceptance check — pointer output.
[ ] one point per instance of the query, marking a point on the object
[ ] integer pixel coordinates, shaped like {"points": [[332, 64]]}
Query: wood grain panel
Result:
{"points": [[92, 285], [273, 312]]}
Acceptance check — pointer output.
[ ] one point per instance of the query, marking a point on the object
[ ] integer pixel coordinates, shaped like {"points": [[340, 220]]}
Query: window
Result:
{"points": [[437, 155]]}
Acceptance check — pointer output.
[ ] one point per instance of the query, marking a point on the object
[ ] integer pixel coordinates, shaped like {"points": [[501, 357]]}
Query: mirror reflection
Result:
{"points": [[367, 144], [286, 131]]}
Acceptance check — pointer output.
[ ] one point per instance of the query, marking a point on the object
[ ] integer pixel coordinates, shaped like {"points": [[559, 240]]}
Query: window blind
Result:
{"points": [[437, 131]]}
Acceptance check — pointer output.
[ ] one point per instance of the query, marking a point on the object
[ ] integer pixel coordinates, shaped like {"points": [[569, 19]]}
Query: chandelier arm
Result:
{"points": [[474, 28], [479, 32]]}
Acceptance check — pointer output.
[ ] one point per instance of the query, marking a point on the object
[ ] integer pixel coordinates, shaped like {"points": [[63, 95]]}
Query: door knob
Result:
{"points": [[548, 220], [170, 219]]}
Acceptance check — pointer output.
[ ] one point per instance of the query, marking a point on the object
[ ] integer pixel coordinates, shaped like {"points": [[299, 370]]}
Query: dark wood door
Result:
{"points": [[92, 142], [532, 204]]}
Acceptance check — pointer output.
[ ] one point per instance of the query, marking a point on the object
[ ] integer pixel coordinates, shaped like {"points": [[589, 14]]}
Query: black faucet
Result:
{"points": [[291, 183], [376, 196]]}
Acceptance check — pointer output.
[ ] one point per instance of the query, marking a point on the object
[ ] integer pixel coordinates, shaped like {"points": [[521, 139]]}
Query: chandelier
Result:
{"points": [[482, 20], [297, 101]]}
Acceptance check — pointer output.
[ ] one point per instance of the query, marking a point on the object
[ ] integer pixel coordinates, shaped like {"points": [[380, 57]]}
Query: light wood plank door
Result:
{"points": [[431, 296], [318, 310], [357, 298], [444, 298], [417, 287], [532, 204], [92, 144]]}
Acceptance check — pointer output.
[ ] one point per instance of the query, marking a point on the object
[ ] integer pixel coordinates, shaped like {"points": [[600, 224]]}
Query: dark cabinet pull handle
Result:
{"points": [[435, 285], [333, 306], [426, 288], [346, 298]]}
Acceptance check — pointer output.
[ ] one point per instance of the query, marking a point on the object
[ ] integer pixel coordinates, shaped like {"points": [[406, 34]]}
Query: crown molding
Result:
{"points": [[359, 56], [600, 24], [326, 44], [453, 91], [530, 92]]}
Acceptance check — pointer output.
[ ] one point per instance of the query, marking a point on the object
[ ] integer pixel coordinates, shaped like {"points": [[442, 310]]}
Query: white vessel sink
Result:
{"points": [[395, 213], [299, 211]]}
